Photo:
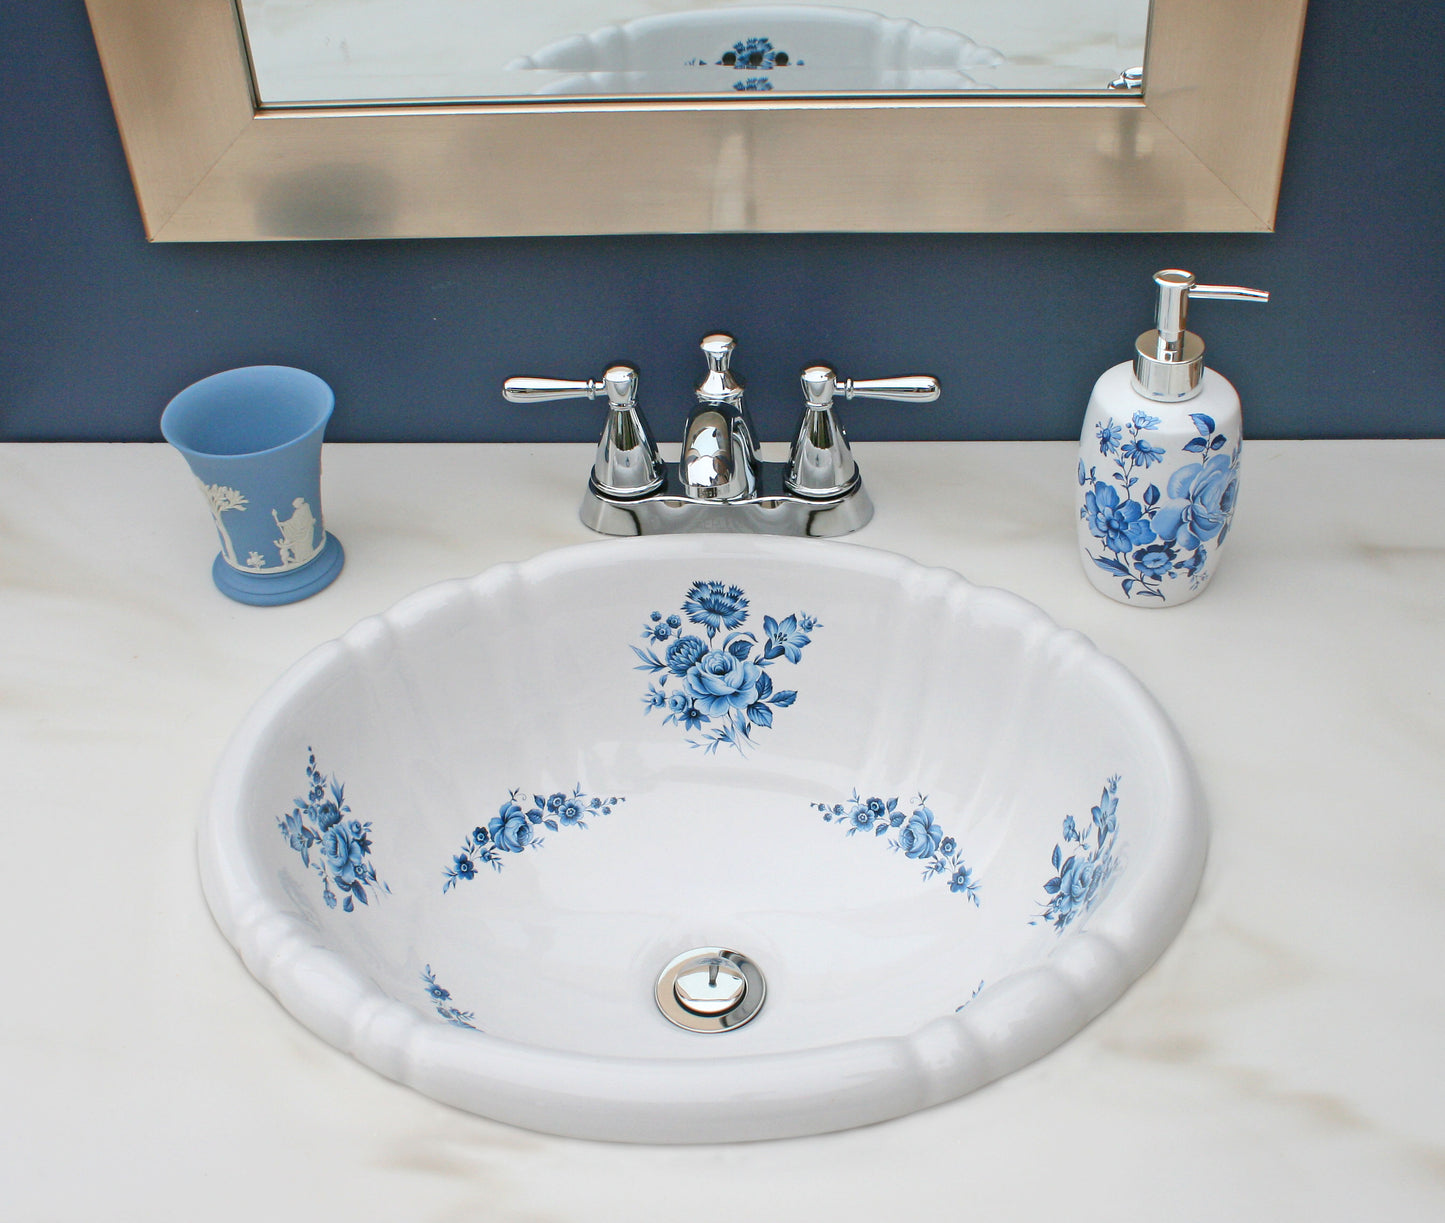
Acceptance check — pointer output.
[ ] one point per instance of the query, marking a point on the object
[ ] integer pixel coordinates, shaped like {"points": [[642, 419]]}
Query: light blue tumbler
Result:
{"points": [[253, 439]]}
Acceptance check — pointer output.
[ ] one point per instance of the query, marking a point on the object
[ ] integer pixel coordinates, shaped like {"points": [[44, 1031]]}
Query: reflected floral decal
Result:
{"points": [[754, 54]]}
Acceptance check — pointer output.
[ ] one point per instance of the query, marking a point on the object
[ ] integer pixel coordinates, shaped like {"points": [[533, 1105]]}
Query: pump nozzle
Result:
{"points": [[1169, 361]]}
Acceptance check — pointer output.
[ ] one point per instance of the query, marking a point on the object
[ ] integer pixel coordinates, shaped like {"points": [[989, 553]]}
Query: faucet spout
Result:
{"points": [[719, 449], [710, 471]]}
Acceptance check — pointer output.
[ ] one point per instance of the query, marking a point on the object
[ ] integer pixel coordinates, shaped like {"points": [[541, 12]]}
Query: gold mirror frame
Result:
{"points": [[1202, 149]]}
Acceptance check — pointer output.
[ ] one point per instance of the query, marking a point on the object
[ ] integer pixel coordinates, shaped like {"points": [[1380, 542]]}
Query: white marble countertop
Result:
{"points": [[1284, 1060]]}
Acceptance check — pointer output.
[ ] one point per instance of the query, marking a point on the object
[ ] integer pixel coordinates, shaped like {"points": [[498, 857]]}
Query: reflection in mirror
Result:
{"points": [[319, 52]]}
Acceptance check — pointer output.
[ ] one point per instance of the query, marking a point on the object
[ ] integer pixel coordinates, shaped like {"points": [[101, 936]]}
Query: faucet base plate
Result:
{"points": [[771, 510]]}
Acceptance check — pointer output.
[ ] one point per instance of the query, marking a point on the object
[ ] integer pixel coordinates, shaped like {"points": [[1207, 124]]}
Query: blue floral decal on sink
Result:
{"points": [[442, 1000], [724, 688], [514, 829], [1083, 861], [1161, 536], [320, 821], [977, 990], [915, 836]]}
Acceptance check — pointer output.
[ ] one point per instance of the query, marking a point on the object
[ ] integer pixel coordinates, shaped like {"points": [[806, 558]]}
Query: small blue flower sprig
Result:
{"points": [[442, 1000], [915, 835], [977, 990], [723, 687], [513, 829], [344, 845], [1161, 536], [1080, 876]]}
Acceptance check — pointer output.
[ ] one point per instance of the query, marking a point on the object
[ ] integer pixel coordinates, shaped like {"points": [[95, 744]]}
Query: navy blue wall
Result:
{"points": [[99, 328]]}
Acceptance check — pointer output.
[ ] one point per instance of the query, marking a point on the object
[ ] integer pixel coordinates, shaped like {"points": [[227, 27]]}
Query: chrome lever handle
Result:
{"points": [[822, 463], [627, 464], [619, 384], [541, 390], [916, 388], [821, 384]]}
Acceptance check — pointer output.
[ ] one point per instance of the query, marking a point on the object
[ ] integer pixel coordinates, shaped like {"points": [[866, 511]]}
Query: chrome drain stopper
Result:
{"points": [[710, 989]]}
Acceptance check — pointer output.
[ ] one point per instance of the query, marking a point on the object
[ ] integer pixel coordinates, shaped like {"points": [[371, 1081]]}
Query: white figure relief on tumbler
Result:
{"points": [[220, 499], [296, 546]]}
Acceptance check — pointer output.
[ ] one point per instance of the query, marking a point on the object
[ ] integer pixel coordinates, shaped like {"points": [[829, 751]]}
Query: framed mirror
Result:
{"points": [[328, 52], [1199, 147]]}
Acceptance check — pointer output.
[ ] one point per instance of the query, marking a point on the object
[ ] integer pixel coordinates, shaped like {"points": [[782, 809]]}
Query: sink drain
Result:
{"points": [[710, 989]]}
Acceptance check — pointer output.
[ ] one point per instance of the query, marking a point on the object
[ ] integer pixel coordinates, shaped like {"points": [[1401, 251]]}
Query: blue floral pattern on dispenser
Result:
{"points": [[1161, 536], [1154, 520]]}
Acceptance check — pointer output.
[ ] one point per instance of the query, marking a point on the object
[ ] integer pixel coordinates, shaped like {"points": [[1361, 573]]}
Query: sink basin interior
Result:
{"points": [[463, 840]]}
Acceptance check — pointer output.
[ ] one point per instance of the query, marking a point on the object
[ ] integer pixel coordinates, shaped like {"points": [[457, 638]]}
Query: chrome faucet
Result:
{"points": [[719, 447], [721, 483]]}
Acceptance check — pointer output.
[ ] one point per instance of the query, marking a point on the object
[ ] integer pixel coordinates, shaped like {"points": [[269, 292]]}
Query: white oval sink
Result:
{"points": [[463, 841]]}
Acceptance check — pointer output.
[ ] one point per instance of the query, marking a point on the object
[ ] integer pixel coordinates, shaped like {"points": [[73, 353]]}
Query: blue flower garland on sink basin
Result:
{"points": [[723, 688], [514, 829], [916, 836]]}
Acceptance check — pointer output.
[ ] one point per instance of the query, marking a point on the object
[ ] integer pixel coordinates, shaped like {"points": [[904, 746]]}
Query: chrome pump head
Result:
{"points": [[1169, 360]]}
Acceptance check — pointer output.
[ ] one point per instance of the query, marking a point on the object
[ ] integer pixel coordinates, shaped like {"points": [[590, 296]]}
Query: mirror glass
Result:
{"points": [[333, 52]]}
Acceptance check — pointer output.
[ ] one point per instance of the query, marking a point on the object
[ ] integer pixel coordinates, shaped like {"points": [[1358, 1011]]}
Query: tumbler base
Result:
{"points": [[272, 589]]}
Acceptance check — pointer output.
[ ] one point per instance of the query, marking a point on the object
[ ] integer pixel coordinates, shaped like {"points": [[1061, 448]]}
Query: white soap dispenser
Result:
{"points": [[1159, 459]]}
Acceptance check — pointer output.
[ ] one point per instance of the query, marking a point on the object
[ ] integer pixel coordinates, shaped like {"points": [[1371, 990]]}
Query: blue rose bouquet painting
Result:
{"points": [[321, 821], [1162, 534], [722, 689]]}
